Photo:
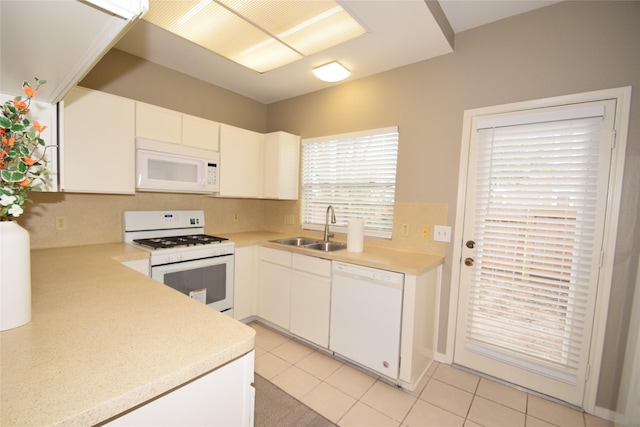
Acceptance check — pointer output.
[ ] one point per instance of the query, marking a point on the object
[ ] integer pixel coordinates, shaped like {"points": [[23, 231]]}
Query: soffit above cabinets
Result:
{"points": [[58, 41]]}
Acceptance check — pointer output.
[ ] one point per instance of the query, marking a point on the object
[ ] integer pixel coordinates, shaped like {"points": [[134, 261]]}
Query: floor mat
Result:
{"points": [[275, 408]]}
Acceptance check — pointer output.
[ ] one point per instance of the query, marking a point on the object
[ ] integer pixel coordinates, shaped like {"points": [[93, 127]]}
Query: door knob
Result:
{"points": [[468, 262], [470, 244]]}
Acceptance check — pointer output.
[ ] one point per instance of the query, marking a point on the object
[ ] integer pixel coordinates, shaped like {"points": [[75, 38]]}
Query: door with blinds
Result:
{"points": [[535, 206]]}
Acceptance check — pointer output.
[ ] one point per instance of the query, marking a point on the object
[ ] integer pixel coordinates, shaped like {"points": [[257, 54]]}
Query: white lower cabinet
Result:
{"points": [[139, 265], [223, 397], [294, 293], [274, 286], [310, 298], [244, 286]]}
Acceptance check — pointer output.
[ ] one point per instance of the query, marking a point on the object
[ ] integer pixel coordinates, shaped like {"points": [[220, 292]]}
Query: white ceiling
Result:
{"points": [[401, 32]]}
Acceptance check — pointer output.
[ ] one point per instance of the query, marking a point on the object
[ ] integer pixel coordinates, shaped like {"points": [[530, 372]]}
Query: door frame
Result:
{"points": [[622, 96]]}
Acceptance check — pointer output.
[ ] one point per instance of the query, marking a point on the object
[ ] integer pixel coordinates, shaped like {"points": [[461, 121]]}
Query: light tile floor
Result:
{"points": [[446, 397]]}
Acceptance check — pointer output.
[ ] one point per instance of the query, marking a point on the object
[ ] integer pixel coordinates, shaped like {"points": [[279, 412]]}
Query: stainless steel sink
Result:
{"points": [[307, 243], [327, 246], [296, 241]]}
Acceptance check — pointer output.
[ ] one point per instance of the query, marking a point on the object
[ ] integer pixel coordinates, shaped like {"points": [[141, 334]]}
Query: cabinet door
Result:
{"points": [[281, 165], [241, 165], [94, 160], [274, 286], [200, 133], [139, 265], [310, 307], [158, 123], [223, 397], [244, 293]]}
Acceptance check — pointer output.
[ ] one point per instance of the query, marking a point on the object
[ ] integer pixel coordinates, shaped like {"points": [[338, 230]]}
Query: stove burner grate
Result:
{"points": [[179, 241]]}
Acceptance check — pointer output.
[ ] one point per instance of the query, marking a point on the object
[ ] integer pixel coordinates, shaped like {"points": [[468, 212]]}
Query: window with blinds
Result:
{"points": [[536, 207], [356, 174]]}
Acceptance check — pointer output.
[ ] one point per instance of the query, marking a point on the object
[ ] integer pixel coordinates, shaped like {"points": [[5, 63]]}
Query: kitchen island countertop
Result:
{"points": [[104, 338], [384, 258]]}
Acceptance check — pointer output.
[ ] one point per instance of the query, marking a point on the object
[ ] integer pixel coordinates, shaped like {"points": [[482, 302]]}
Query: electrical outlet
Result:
{"points": [[289, 219], [442, 233], [61, 223], [235, 217], [425, 232], [405, 229]]}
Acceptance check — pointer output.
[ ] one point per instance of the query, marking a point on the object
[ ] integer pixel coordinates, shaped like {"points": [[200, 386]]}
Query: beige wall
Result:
{"points": [[562, 49], [131, 77], [566, 48]]}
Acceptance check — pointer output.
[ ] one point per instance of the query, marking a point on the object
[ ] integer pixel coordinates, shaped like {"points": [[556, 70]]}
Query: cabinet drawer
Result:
{"points": [[318, 266], [275, 256]]}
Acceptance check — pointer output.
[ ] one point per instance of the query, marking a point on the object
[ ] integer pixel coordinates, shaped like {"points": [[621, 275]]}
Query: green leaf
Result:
{"points": [[4, 122], [17, 128], [11, 176]]}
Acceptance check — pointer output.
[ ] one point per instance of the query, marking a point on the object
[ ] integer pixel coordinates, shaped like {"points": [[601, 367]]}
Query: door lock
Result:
{"points": [[470, 244], [468, 262]]}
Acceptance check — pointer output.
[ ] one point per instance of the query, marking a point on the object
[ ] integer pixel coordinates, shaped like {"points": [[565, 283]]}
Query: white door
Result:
{"points": [[535, 206]]}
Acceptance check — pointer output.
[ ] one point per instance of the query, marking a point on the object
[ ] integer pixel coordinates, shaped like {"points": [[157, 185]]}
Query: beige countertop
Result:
{"points": [[405, 262], [104, 338]]}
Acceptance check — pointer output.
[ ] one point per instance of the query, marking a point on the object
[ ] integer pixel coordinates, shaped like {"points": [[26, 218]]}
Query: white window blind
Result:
{"points": [[356, 174], [536, 207]]}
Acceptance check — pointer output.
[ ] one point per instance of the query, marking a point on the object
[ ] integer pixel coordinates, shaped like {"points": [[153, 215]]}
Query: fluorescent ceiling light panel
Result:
{"points": [[261, 35], [331, 72]]}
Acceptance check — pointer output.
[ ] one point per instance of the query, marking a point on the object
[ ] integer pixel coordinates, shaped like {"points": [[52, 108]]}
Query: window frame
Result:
{"points": [[350, 142]]}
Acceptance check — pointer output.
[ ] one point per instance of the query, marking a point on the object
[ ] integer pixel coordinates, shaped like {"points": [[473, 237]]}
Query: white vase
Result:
{"points": [[15, 276]]}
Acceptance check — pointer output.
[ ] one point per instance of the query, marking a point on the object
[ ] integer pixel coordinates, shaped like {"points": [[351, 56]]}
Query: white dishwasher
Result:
{"points": [[366, 316]]}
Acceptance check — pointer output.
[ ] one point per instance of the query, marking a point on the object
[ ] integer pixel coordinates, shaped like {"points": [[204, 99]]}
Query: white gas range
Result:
{"points": [[182, 256]]}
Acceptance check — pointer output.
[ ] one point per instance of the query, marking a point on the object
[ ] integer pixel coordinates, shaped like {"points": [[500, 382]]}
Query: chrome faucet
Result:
{"points": [[326, 223]]}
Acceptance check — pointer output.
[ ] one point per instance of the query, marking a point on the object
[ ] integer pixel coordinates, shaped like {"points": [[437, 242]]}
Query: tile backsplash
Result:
{"points": [[97, 218]]}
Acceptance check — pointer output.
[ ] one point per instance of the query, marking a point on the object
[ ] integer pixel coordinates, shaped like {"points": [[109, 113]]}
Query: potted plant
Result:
{"points": [[22, 169]]}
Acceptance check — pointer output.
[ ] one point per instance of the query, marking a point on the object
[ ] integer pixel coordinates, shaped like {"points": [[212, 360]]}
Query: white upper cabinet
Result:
{"points": [[97, 143], [281, 165], [162, 124], [255, 165], [240, 162], [200, 133], [157, 123]]}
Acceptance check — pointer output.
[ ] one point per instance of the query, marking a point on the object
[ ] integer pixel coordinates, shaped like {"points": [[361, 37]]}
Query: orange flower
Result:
{"points": [[28, 90], [20, 105], [24, 182], [37, 126], [29, 161], [8, 142]]}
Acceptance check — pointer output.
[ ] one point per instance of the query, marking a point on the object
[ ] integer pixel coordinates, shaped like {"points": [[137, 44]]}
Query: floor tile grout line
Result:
{"points": [[376, 379]]}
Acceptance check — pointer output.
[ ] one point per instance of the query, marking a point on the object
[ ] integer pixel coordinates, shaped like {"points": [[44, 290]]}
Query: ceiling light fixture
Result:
{"points": [[193, 11], [331, 72], [260, 35]]}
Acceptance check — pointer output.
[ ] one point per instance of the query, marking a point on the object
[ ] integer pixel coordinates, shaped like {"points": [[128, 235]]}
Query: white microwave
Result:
{"points": [[169, 167]]}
